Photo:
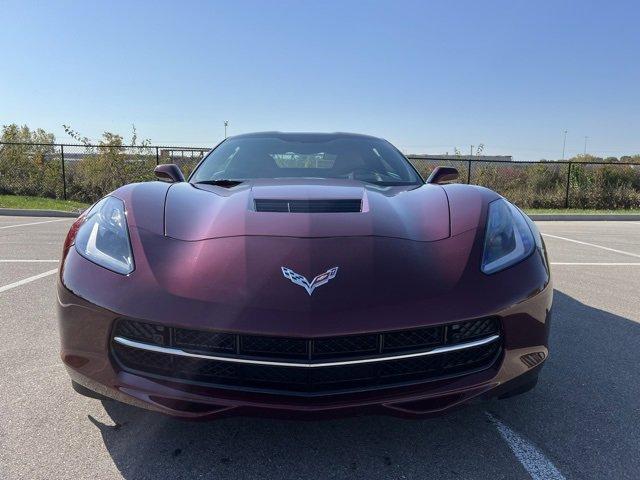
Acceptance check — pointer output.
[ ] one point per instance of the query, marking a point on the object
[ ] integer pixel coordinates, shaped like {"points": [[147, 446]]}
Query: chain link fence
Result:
{"points": [[562, 184], [84, 173], [532, 185], [87, 172]]}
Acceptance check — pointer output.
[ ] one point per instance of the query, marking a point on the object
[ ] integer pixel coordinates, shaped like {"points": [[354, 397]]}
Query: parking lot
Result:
{"points": [[582, 420]]}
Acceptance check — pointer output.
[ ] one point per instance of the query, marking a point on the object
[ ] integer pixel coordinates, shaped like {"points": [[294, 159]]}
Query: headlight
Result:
{"points": [[507, 239], [103, 238]]}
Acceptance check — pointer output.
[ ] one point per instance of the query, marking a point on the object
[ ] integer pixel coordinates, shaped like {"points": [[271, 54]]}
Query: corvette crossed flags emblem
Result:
{"points": [[309, 286]]}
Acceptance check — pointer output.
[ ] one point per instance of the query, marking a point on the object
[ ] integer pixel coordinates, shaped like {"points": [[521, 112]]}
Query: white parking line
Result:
{"points": [[35, 223], [592, 245], [18, 260], [532, 459], [604, 264], [27, 280]]}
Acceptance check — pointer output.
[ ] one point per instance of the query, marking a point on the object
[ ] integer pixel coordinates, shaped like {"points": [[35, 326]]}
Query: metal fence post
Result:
{"points": [[566, 198], [469, 173], [157, 157], [64, 177]]}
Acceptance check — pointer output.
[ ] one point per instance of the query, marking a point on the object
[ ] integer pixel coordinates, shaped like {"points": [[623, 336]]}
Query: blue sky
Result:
{"points": [[428, 76]]}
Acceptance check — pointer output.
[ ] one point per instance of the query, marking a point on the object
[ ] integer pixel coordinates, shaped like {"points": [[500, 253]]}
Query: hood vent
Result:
{"points": [[309, 206]]}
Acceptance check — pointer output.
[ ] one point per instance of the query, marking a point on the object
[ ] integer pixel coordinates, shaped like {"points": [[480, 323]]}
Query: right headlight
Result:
{"points": [[507, 239], [103, 238]]}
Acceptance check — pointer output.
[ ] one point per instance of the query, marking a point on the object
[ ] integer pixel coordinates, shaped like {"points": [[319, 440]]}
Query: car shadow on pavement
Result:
{"points": [[582, 415]]}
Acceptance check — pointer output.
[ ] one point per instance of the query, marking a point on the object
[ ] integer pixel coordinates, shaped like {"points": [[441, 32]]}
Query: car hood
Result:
{"points": [[199, 212], [219, 264]]}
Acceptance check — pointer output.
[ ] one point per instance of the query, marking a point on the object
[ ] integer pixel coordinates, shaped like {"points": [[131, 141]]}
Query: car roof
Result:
{"points": [[305, 136]]}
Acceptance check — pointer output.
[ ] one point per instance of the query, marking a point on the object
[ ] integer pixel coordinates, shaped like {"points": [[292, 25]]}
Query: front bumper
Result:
{"points": [[86, 351]]}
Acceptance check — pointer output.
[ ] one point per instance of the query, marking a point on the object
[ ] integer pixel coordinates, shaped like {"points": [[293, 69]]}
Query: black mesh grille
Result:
{"points": [[208, 341], [411, 339], [474, 329], [309, 206], [310, 380], [351, 345], [318, 379], [143, 332], [193, 368], [270, 346]]}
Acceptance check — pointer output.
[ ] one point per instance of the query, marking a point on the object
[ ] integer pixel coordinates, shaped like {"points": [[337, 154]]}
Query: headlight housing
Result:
{"points": [[507, 239], [103, 238]]}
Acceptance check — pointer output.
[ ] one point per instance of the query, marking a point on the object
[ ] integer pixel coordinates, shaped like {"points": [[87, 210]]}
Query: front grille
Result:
{"points": [[308, 206], [470, 330], [338, 347], [318, 380], [145, 332], [207, 341], [273, 346], [412, 339]]}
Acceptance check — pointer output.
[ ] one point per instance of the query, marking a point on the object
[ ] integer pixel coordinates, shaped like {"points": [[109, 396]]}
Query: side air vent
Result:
{"points": [[309, 206]]}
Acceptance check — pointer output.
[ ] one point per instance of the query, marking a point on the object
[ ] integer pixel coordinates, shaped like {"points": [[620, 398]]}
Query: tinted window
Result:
{"points": [[307, 156]]}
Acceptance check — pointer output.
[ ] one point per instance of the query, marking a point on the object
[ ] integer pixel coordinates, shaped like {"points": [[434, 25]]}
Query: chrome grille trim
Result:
{"points": [[183, 353]]}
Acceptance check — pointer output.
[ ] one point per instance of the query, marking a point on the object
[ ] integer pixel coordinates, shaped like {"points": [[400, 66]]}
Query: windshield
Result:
{"points": [[307, 156]]}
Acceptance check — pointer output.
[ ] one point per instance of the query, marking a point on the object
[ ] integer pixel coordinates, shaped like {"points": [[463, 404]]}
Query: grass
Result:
{"points": [[40, 203], [577, 211]]}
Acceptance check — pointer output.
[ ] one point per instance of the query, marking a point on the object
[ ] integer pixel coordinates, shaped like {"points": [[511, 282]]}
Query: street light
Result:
{"points": [[226, 124], [564, 143], [585, 146]]}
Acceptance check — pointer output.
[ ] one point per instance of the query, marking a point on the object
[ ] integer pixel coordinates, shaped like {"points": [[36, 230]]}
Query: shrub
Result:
{"points": [[102, 169], [614, 186], [33, 167]]}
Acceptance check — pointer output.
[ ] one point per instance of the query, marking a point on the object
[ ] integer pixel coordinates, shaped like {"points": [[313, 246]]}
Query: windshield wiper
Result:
{"points": [[223, 182]]}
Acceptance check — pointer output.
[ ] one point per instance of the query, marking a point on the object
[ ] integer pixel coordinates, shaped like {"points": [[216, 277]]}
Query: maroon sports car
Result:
{"points": [[303, 274]]}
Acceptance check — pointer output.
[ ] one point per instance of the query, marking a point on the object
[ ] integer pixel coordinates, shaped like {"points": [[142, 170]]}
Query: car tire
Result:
{"points": [[84, 391], [520, 389]]}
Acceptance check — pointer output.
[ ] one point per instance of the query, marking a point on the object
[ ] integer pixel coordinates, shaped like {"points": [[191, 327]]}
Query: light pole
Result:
{"points": [[226, 124], [564, 143], [585, 146]]}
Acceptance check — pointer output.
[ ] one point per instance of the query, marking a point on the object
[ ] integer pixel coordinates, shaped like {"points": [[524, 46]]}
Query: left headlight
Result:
{"points": [[508, 239], [103, 238]]}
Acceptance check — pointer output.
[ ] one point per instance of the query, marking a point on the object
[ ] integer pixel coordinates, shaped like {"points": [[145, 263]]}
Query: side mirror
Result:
{"points": [[168, 172], [443, 175]]}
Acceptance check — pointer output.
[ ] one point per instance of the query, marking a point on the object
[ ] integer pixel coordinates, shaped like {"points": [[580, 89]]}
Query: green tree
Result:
{"points": [[29, 164], [109, 164]]}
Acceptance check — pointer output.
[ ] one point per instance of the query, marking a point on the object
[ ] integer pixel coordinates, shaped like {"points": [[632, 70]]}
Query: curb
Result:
{"points": [[588, 218], [18, 212]]}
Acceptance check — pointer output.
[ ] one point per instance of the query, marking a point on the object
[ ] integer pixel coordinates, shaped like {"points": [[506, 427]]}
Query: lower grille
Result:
{"points": [[295, 379], [306, 366]]}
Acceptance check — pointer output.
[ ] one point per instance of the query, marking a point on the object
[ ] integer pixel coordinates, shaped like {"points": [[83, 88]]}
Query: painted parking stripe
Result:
{"points": [[27, 280], [537, 465], [604, 264], [30, 260], [592, 245], [35, 223]]}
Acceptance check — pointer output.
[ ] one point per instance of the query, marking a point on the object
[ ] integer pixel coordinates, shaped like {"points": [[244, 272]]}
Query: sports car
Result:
{"points": [[303, 275]]}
